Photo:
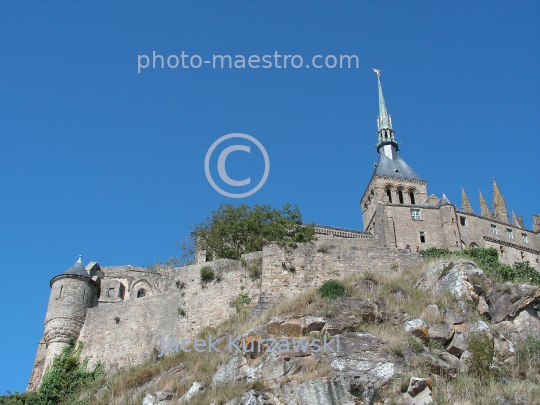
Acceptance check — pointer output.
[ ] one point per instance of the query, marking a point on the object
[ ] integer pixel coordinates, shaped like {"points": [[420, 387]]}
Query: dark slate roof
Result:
{"points": [[444, 201], [395, 167], [77, 269]]}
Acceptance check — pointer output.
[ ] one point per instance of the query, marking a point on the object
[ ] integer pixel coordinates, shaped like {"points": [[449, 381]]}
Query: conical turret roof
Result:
{"points": [[77, 269], [444, 200]]}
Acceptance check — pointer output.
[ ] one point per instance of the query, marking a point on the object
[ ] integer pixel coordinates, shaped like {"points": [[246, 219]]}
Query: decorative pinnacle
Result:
{"points": [[80, 259], [465, 204], [484, 209], [499, 206], [377, 71]]}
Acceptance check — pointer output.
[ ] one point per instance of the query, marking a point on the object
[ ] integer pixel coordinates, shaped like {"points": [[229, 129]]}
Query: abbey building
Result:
{"points": [[397, 210]]}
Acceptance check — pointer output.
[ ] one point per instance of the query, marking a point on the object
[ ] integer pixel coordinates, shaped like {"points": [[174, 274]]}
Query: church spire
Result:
{"points": [[465, 204], [484, 209], [384, 120], [499, 206]]}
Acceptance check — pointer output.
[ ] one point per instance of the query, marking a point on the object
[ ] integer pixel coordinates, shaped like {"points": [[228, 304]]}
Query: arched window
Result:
{"points": [[141, 293], [400, 195], [389, 195], [111, 292], [411, 196], [473, 245]]}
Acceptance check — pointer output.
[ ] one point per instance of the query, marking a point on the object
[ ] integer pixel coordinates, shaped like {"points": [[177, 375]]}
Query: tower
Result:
{"points": [[393, 181], [72, 293]]}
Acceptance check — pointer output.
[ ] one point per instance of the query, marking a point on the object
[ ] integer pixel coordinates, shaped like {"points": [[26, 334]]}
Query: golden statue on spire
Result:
{"points": [[377, 71]]}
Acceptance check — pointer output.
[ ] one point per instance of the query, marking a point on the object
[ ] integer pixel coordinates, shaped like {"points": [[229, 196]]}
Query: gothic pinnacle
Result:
{"points": [[465, 204], [484, 209], [499, 206]]}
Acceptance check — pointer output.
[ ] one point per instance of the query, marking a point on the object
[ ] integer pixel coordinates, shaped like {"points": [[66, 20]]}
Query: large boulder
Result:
{"points": [[462, 336], [456, 278]]}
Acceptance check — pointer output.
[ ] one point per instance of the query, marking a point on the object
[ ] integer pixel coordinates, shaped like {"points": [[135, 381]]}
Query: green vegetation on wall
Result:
{"points": [[488, 260]]}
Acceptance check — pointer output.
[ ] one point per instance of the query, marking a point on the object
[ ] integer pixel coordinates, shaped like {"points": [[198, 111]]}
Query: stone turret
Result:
{"points": [[500, 212], [72, 293], [536, 223], [484, 209], [465, 204]]}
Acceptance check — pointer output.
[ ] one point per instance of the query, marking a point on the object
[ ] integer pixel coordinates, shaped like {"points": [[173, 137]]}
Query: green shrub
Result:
{"points": [[241, 302], [482, 352], [66, 374], [207, 274], [323, 249], [488, 260], [332, 289]]}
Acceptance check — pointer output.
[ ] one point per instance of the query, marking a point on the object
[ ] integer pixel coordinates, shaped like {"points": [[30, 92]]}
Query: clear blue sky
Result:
{"points": [[99, 160]]}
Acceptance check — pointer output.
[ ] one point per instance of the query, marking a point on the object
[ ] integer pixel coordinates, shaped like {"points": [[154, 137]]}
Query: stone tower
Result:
{"points": [[449, 226], [72, 293], [393, 181]]}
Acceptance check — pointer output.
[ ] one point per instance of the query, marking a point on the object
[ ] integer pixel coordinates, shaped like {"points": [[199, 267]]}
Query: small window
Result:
{"points": [[111, 292], [415, 215], [400, 196], [522, 255], [494, 229], [422, 237], [463, 221], [524, 237], [502, 250], [141, 293], [411, 196], [510, 234]]}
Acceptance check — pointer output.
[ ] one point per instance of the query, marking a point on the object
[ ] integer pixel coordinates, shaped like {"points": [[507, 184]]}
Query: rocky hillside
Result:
{"points": [[445, 335]]}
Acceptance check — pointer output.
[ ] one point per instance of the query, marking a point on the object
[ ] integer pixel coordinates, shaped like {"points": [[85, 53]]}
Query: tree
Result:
{"points": [[231, 231]]}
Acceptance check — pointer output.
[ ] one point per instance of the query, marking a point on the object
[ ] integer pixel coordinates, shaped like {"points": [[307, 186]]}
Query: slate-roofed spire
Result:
{"points": [[465, 204], [499, 206], [484, 209], [384, 120]]}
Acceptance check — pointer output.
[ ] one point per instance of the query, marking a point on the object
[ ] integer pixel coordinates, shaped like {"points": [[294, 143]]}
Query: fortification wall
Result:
{"points": [[287, 272], [126, 332]]}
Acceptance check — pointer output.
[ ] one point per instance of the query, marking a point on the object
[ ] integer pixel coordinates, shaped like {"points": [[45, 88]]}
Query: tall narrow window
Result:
{"points": [[411, 196], [400, 196], [389, 195], [494, 229], [60, 294], [422, 237], [524, 237], [510, 234]]}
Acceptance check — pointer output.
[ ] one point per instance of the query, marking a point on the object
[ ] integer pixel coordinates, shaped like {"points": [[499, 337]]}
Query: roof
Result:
{"points": [[77, 269], [394, 167], [444, 201]]}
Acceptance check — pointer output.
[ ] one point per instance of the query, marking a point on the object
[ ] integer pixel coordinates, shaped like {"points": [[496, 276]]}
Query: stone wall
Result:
{"points": [[477, 230], [288, 272], [126, 332]]}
